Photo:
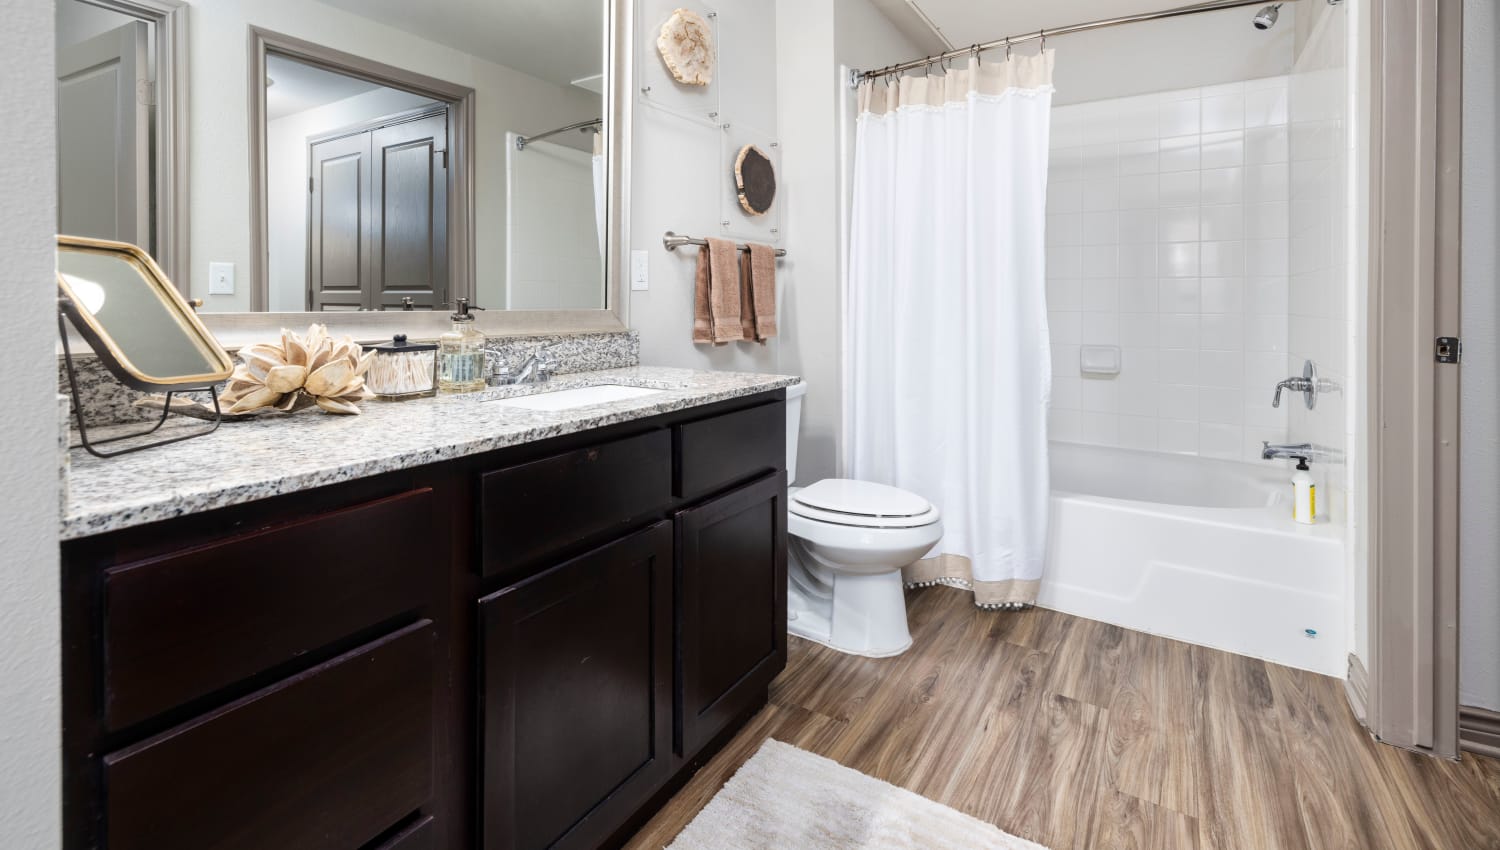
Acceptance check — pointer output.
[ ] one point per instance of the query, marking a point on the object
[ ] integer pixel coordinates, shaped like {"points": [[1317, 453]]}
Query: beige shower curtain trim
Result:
{"points": [[956, 570], [1029, 72]]}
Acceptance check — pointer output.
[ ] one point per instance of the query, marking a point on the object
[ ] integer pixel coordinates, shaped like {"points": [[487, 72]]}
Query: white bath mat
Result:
{"points": [[790, 799]]}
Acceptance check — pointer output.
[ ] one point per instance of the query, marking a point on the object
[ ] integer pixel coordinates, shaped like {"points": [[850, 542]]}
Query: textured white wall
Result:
{"points": [[1479, 502], [30, 727]]}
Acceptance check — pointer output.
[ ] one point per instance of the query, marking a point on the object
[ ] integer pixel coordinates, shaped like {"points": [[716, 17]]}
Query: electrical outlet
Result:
{"points": [[640, 270], [221, 278]]}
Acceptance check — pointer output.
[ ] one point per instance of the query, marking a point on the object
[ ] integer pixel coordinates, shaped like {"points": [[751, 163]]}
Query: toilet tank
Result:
{"points": [[794, 394]]}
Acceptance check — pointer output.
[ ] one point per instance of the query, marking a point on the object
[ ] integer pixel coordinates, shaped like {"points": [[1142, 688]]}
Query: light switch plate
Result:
{"points": [[221, 278], [640, 270]]}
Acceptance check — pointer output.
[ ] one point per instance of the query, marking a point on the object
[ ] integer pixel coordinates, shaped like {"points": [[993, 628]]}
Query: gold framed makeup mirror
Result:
{"points": [[139, 326]]}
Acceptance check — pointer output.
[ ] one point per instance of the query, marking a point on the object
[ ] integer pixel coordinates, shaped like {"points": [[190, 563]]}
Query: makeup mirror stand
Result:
{"points": [[91, 446]]}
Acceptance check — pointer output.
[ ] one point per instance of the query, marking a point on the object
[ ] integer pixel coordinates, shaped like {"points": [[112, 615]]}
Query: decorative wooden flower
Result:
{"points": [[686, 44], [300, 370]]}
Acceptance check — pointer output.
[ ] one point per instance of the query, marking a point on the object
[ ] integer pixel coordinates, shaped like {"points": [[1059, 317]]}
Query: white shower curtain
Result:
{"points": [[950, 369]]}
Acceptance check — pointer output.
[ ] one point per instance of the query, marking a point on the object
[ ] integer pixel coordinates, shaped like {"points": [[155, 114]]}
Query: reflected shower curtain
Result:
{"points": [[949, 364]]}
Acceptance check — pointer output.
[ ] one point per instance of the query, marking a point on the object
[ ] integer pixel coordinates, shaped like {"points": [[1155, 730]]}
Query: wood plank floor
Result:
{"points": [[1078, 734]]}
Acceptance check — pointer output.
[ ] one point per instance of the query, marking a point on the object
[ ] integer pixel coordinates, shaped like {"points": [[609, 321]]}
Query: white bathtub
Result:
{"points": [[1201, 550]]}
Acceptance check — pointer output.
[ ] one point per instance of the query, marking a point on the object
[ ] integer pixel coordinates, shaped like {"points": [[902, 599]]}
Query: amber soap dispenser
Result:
{"points": [[461, 354]]}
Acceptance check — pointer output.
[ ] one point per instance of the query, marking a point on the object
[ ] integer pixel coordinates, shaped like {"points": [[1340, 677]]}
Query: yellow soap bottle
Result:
{"points": [[461, 354]]}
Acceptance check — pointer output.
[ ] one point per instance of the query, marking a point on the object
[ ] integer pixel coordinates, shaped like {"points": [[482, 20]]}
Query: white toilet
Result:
{"points": [[848, 541]]}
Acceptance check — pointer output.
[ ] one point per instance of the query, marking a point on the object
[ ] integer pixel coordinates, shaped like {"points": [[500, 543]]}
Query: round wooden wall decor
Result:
{"points": [[755, 178], [686, 44]]}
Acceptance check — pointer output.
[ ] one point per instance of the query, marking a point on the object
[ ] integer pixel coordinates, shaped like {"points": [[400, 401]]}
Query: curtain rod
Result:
{"points": [[523, 141], [856, 76]]}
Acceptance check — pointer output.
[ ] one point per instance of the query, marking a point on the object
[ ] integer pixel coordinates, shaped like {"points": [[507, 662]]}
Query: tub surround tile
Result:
{"points": [[1214, 190], [258, 459]]}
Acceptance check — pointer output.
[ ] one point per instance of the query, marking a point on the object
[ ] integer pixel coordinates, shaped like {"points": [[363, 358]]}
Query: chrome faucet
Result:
{"points": [[1299, 450], [1308, 385], [1306, 451], [1296, 385], [535, 369]]}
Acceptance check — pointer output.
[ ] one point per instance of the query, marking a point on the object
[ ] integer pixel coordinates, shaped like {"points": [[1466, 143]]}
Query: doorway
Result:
{"points": [[363, 193], [357, 185], [377, 214], [121, 121]]}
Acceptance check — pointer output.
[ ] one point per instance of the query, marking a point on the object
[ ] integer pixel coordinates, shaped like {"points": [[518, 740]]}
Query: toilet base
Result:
{"points": [[862, 614]]}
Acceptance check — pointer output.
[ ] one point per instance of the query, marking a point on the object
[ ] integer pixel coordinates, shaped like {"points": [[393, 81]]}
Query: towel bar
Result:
{"points": [[673, 241]]}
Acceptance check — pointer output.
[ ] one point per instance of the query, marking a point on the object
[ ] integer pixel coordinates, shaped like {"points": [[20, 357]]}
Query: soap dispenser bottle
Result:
{"points": [[461, 353], [1304, 494]]}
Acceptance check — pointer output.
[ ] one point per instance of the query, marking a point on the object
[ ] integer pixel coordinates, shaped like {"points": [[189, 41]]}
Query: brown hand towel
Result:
{"points": [[703, 323], [724, 290], [760, 277], [747, 298]]}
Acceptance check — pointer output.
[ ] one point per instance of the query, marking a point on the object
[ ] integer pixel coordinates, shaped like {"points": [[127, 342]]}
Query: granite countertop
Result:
{"points": [[256, 459]]}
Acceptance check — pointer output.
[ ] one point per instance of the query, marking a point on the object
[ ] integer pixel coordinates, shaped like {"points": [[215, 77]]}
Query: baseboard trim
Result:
{"points": [[1357, 688], [1479, 731]]}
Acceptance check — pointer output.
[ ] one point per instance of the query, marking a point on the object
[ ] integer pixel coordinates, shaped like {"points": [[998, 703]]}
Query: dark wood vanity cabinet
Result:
{"points": [[731, 591], [577, 695], [526, 649]]}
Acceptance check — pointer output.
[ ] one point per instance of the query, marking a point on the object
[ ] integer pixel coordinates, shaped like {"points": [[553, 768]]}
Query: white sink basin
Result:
{"points": [[576, 397]]}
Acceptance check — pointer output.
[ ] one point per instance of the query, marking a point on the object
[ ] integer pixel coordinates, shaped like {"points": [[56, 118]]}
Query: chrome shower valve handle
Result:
{"points": [[1307, 385]]}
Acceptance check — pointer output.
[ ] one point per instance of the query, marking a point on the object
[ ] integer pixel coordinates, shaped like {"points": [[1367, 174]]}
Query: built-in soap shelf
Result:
{"points": [[1099, 361]]}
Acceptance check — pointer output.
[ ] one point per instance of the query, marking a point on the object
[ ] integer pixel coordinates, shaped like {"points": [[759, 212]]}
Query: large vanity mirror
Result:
{"points": [[352, 156]]}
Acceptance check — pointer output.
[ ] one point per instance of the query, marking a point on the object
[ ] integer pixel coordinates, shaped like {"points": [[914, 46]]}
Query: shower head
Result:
{"points": [[1266, 17]]}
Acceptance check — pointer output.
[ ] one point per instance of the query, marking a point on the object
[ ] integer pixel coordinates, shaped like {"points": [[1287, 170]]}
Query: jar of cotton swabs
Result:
{"points": [[402, 369]]}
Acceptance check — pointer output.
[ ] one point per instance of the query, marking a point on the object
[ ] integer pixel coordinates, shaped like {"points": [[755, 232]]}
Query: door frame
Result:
{"points": [[461, 145], [392, 120], [1410, 696], [169, 184]]}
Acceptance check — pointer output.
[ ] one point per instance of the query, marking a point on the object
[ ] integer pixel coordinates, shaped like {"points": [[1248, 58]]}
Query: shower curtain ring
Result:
{"points": [[1043, 47], [1007, 48], [977, 60]]}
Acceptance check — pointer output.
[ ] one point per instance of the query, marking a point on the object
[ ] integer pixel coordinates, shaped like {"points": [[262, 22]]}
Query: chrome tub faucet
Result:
{"points": [[1286, 450]]}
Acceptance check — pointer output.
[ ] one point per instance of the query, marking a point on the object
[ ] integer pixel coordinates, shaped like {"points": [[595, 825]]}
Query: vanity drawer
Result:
{"points": [[330, 758], [716, 452], [531, 510], [181, 626]]}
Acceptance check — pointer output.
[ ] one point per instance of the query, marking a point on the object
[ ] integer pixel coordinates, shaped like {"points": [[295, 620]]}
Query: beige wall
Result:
{"points": [[1479, 504], [1195, 50], [30, 726], [675, 185], [816, 111], [507, 100]]}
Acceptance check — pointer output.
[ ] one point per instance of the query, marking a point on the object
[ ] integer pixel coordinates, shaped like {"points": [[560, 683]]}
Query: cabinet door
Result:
{"points": [[731, 573], [576, 695]]}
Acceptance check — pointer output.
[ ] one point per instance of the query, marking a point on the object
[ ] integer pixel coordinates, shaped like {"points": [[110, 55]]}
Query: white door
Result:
{"points": [[103, 133]]}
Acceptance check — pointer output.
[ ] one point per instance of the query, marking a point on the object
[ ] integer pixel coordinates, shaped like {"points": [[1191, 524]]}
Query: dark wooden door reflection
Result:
{"points": [[378, 215]]}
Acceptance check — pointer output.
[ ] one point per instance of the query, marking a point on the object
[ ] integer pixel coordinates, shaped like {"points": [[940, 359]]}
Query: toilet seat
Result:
{"points": [[861, 504]]}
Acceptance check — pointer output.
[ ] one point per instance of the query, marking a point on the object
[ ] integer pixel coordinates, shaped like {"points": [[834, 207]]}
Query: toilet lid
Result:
{"points": [[860, 499]]}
